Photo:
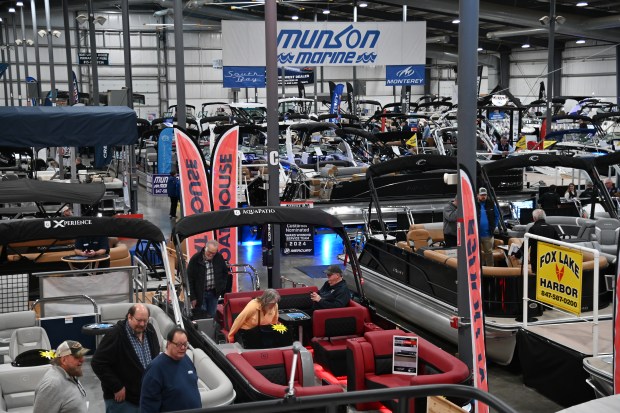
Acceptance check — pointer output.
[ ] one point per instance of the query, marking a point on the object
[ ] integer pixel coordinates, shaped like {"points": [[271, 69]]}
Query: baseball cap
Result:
{"points": [[71, 348], [482, 191], [333, 269]]}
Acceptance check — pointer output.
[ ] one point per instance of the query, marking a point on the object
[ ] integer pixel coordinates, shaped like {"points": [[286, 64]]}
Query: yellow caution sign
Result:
{"points": [[558, 277], [412, 142]]}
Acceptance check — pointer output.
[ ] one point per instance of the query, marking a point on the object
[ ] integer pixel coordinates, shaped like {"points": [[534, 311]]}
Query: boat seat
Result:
{"points": [[371, 366], [435, 230], [214, 386], [17, 387], [331, 328], [418, 238], [28, 338], [268, 372], [10, 322], [606, 232]]}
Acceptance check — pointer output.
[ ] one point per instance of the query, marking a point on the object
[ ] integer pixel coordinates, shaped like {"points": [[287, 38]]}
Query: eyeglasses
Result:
{"points": [[210, 254], [181, 345], [141, 320]]}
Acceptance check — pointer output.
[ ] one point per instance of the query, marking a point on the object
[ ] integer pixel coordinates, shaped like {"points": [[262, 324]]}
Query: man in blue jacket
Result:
{"points": [[174, 193], [488, 220]]}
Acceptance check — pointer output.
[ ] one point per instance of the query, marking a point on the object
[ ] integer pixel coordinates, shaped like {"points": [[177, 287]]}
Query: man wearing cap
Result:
{"points": [[121, 358], [334, 293], [450, 214], [171, 381], [60, 390], [488, 219]]}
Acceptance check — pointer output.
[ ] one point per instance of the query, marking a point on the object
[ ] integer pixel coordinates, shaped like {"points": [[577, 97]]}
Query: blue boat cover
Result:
{"points": [[48, 126]]}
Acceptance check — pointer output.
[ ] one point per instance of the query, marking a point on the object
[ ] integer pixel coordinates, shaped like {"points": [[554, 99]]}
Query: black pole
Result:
{"points": [[273, 197], [50, 49], [35, 37], [72, 91], [17, 71], [550, 61], [8, 60], [179, 63], [93, 54], [468, 72], [4, 81]]}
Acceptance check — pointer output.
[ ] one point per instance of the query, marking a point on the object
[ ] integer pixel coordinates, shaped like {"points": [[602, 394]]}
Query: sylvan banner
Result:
{"points": [[326, 43]]}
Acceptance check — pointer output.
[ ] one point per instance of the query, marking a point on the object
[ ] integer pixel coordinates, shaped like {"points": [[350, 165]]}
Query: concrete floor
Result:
{"points": [[503, 382]]}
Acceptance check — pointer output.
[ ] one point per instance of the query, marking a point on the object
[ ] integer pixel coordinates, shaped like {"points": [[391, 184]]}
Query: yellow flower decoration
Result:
{"points": [[49, 354], [280, 328]]}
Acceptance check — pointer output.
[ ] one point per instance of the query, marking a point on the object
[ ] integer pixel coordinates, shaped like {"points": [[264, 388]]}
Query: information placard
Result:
{"points": [[405, 355], [297, 239], [157, 184]]}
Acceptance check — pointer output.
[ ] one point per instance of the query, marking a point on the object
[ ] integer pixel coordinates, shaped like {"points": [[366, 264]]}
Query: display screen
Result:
{"points": [[518, 205], [296, 316]]}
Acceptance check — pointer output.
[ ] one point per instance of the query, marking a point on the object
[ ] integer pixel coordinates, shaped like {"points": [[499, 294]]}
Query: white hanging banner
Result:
{"points": [[326, 43]]}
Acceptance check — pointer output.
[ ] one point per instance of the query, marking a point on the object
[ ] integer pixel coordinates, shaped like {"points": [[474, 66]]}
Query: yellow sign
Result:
{"points": [[558, 277], [412, 142]]}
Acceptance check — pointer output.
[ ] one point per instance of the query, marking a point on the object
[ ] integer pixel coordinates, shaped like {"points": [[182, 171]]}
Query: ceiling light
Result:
{"points": [[456, 21], [480, 49], [100, 20], [581, 4], [295, 17], [20, 4], [41, 33], [363, 4], [326, 11], [56, 34], [81, 18], [525, 46], [11, 9], [18, 42], [580, 41], [29, 42]]}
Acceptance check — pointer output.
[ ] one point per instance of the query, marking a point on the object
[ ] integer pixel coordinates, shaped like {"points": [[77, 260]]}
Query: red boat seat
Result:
{"points": [[268, 372], [370, 365], [331, 328]]}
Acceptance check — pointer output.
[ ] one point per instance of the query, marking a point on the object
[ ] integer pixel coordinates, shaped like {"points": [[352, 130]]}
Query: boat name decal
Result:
{"points": [[534, 158], [62, 223], [239, 212]]}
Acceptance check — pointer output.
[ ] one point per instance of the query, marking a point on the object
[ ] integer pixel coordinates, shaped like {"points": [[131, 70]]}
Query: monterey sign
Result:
{"points": [[327, 43]]}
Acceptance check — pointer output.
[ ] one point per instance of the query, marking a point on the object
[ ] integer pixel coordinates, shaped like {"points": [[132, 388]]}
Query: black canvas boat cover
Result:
{"points": [[312, 127], [521, 161], [30, 190], [49, 126], [606, 160], [19, 230], [209, 221], [414, 163], [347, 130]]}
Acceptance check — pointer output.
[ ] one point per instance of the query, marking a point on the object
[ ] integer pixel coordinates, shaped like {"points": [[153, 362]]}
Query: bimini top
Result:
{"points": [[31, 190], [414, 163], [19, 230], [209, 221], [532, 159], [48, 126], [606, 160]]}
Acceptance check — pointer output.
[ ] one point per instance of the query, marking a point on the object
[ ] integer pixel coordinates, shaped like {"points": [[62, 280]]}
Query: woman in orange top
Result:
{"points": [[262, 311]]}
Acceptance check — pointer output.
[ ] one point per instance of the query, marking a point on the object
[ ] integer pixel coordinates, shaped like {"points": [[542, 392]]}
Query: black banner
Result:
{"points": [[298, 239], [103, 59], [292, 74]]}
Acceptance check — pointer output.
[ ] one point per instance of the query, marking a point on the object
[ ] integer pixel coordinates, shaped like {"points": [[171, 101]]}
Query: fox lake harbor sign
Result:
{"points": [[328, 44]]}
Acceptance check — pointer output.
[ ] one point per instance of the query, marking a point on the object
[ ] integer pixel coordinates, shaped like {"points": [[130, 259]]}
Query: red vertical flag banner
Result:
{"points": [[194, 186], [617, 333], [224, 168], [470, 227]]}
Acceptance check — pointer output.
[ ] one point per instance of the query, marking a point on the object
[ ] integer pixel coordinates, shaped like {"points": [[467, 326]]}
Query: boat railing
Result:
{"points": [[245, 271], [334, 402], [287, 281], [595, 285]]}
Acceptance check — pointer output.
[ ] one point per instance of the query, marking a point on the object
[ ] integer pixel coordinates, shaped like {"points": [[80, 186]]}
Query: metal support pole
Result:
{"points": [[617, 71], [179, 62], [467, 91], [72, 91], [273, 197], [133, 197], [4, 81], [8, 60], [50, 49], [35, 37], [17, 72], [93, 54], [550, 61], [25, 51]]}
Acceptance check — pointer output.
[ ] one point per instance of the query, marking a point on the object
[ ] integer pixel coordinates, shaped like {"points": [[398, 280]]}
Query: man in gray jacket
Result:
{"points": [[449, 223]]}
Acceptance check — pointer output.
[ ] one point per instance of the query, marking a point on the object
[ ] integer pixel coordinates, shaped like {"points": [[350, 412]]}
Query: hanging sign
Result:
{"points": [[244, 76], [103, 59]]}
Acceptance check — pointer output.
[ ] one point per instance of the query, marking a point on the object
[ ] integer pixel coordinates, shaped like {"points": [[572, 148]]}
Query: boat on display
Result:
{"points": [[335, 364], [415, 279]]}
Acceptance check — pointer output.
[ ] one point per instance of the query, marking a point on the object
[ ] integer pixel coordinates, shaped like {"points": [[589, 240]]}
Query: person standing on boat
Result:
{"points": [[171, 381], [488, 219], [174, 193], [209, 277], [550, 199], [122, 357], [541, 228], [571, 192], [334, 293], [503, 147], [60, 391], [449, 223]]}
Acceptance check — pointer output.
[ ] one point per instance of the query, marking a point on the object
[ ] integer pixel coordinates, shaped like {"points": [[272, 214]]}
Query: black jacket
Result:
{"points": [[333, 296], [196, 275], [117, 365], [549, 200], [542, 229]]}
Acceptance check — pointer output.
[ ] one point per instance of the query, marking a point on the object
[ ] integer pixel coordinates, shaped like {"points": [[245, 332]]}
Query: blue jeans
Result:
{"points": [[123, 407], [209, 303]]}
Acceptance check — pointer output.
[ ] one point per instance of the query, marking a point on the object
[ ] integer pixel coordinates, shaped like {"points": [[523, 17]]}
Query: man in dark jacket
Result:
{"points": [[550, 199], [209, 277], [334, 293], [540, 228], [488, 219], [121, 358], [174, 193]]}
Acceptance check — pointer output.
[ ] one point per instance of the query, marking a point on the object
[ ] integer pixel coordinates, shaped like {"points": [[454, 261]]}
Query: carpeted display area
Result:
{"points": [[313, 271]]}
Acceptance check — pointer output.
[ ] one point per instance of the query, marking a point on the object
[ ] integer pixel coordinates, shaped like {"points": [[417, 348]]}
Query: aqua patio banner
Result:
{"points": [[327, 43]]}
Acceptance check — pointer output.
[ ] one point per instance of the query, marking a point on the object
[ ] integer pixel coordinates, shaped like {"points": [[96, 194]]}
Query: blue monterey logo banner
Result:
{"points": [[402, 75], [244, 76]]}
